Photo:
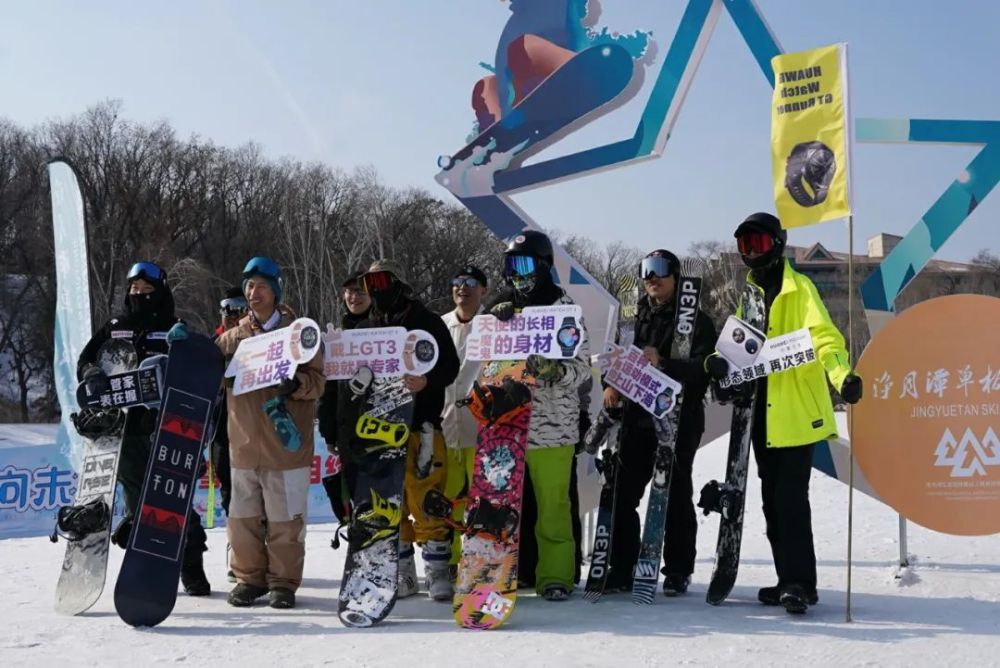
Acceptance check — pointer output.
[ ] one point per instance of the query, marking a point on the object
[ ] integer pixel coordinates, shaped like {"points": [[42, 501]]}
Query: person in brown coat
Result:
{"points": [[270, 484]]}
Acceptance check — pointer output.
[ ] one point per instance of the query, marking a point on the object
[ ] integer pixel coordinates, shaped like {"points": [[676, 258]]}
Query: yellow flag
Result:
{"points": [[809, 136]]}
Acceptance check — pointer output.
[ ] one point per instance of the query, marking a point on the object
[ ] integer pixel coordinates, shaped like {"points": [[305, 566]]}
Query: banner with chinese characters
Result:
{"points": [[554, 332], [388, 351], [781, 353], [267, 359], [630, 373], [927, 433]]}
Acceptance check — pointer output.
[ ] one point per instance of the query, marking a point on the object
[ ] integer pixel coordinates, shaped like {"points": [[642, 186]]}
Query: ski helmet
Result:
{"points": [[266, 268]]}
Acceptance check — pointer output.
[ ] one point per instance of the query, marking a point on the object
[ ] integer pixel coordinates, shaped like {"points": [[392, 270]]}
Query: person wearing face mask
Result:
{"points": [[792, 409], [555, 417], [655, 323], [148, 315], [340, 486], [393, 305]]}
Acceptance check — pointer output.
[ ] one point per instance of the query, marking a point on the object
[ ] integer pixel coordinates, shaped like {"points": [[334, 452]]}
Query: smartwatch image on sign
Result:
{"points": [[810, 167], [568, 336]]}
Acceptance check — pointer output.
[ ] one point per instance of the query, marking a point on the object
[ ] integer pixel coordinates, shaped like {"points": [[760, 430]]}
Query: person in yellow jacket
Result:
{"points": [[270, 484], [793, 409]]}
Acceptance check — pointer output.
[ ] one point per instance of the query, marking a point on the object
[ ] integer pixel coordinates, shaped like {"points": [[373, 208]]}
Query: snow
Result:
{"points": [[944, 610]]}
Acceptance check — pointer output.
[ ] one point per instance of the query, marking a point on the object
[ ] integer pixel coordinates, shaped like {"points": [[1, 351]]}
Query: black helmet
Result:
{"points": [[766, 224], [532, 243]]}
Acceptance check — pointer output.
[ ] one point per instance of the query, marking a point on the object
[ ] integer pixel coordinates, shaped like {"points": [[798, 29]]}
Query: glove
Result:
{"points": [[95, 380], [740, 394], [716, 366], [503, 311], [544, 369], [288, 386], [852, 388], [179, 332]]}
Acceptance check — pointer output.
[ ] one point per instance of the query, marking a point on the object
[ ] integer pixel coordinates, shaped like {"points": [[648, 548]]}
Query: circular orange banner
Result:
{"points": [[927, 433]]}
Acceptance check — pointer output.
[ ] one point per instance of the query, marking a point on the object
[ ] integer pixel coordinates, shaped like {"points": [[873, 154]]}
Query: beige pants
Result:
{"points": [[270, 555]]}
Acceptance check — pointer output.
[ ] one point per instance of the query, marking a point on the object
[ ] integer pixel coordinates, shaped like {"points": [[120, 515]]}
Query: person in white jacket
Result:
{"points": [[468, 289]]}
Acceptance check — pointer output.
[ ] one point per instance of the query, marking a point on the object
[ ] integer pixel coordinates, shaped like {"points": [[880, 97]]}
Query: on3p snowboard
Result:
{"points": [[87, 524], [147, 583]]}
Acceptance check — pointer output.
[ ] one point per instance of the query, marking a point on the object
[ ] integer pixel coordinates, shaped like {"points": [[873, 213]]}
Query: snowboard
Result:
{"points": [[85, 563], [147, 583], [486, 580], [647, 568], [136, 387], [583, 84], [369, 584], [732, 493]]}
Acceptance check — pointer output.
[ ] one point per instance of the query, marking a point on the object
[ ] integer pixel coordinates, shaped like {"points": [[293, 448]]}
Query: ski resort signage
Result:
{"points": [[629, 372], [751, 355], [927, 435], [389, 352], [554, 332], [267, 359]]}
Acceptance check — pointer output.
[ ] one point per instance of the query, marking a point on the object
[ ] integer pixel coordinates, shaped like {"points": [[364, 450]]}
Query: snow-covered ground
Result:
{"points": [[944, 611]]}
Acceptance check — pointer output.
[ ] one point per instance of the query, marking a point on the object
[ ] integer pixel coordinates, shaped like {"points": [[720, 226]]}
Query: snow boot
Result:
{"points": [[793, 597], [675, 584], [555, 592], [407, 572], [281, 598], [193, 574], [243, 594], [772, 596], [436, 577]]}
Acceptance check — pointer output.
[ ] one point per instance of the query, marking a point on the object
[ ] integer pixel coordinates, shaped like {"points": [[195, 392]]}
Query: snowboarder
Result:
{"points": [[270, 483], [148, 315], [554, 429], [793, 409], [426, 467], [654, 334], [469, 287]]}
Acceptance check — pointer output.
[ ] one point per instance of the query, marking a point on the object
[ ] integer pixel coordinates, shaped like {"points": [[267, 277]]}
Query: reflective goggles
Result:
{"points": [[378, 281], [467, 281], [261, 266], [519, 265], [233, 306], [655, 266], [754, 242], [146, 271]]}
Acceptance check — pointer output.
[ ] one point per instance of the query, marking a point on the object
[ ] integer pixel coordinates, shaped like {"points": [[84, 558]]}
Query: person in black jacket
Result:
{"points": [[340, 486], [148, 315], [426, 459], [654, 334], [232, 307]]}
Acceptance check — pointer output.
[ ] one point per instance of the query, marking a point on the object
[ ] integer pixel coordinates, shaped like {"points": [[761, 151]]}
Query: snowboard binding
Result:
{"points": [[489, 403], [75, 523], [97, 422], [721, 498], [392, 434], [482, 517]]}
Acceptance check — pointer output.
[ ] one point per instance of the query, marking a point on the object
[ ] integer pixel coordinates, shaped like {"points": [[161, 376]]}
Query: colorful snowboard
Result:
{"points": [[85, 564], [369, 585], [486, 583], [147, 583]]}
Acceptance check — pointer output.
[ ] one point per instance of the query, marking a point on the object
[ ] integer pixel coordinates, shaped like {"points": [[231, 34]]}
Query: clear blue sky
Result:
{"points": [[387, 82]]}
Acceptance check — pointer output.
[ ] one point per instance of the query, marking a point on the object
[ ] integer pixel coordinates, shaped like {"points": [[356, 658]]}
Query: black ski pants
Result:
{"points": [[638, 447]]}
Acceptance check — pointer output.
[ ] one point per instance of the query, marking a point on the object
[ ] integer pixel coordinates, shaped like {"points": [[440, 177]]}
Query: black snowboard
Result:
{"points": [[147, 583], [733, 492]]}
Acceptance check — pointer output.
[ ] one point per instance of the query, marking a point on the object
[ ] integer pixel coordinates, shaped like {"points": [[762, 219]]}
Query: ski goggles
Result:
{"points": [[378, 281], [464, 281], [656, 266], [233, 306], [261, 266], [754, 242], [519, 265], [147, 271]]}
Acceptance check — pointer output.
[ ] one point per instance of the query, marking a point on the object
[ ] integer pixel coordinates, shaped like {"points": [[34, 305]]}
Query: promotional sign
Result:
{"points": [[139, 387], [268, 358], [388, 351], [554, 332], [775, 355], [927, 434], [809, 136], [630, 373]]}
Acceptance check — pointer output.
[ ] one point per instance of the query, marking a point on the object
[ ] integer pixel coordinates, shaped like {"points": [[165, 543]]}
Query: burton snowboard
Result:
{"points": [[147, 583], [728, 497], [486, 582], [647, 568], [86, 525], [369, 585]]}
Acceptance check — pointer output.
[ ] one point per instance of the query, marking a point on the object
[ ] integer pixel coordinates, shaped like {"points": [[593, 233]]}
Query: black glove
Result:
{"points": [[741, 394], [503, 311], [716, 366], [94, 379], [288, 386], [852, 388]]}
